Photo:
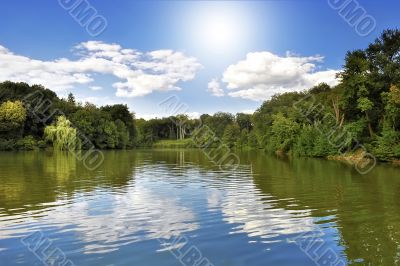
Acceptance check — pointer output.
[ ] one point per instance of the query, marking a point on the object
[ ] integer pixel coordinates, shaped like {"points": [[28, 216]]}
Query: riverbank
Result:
{"points": [[171, 143], [361, 159]]}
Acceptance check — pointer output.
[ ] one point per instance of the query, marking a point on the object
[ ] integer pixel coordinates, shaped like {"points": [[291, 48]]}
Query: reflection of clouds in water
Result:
{"points": [[257, 216], [138, 214], [150, 208], [214, 198]]}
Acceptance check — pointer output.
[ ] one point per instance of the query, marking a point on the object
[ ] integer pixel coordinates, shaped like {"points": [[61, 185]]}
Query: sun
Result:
{"points": [[218, 28], [219, 31]]}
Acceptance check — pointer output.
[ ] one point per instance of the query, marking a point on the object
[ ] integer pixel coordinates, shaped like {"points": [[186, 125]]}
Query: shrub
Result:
{"points": [[27, 143], [387, 145], [7, 144]]}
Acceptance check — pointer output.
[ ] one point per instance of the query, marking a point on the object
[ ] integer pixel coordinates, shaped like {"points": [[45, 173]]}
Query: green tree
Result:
{"points": [[71, 99], [121, 112], [122, 134], [62, 135], [387, 145], [106, 136], [244, 121], [218, 122], [252, 140], [231, 134], [12, 116], [283, 133]]}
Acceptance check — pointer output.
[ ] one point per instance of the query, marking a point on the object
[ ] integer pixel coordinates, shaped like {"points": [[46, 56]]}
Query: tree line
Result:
{"points": [[33, 117], [364, 108]]}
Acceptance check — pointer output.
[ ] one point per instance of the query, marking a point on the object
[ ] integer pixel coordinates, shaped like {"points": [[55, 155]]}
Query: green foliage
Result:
{"points": [[231, 134], [391, 100], [218, 122], [106, 134], [320, 88], [364, 108], [252, 141], [244, 121], [122, 134], [12, 115], [62, 135], [98, 127], [364, 104], [27, 143], [283, 133], [387, 145], [305, 143], [242, 141], [121, 112], [173, 144], [7, 144], [203, 136]]}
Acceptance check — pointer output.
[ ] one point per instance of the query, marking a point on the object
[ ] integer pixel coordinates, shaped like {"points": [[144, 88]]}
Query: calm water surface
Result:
{"points": [[154, 207]]}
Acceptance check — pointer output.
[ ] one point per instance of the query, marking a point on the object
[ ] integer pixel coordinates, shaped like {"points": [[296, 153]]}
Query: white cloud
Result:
{"points": [[248, 112], [139, 73], [96, 88], [263, 74], [214, 87]]}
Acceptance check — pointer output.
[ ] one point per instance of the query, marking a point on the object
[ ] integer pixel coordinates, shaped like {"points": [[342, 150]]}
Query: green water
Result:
{"points": [[175, 207]]}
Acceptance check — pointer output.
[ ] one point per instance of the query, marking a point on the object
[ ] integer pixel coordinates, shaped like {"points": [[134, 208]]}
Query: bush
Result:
{"points": [[252, 140], [27, 143], [7, 144], [41, 144], [304, 145], [387, 145]]}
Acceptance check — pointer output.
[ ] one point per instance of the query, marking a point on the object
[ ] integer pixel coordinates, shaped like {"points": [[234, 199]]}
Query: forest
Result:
{"points": [[363, 110]]}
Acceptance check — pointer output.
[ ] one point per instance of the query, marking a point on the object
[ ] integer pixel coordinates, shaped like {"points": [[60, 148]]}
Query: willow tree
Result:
{"points": [[62, 134]]}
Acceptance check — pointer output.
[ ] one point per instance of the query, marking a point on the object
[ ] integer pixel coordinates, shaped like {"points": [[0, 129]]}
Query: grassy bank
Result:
{"points": [[170, 143]]}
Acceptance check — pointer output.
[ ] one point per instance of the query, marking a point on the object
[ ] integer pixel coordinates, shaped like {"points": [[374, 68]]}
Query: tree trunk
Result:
{"points": [[371, 132], [339, 119]]}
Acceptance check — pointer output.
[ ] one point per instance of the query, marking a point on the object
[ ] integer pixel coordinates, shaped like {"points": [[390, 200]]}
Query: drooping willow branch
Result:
{"points": [[63, 135]]}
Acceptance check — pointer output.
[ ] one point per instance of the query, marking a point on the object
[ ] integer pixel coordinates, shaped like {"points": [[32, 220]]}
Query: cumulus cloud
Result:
{"points": [[263, 74], [214, 87], [138, 73]]}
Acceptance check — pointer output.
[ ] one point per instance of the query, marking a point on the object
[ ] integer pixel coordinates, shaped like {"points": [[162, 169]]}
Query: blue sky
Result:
{"points": [[250, 49]]}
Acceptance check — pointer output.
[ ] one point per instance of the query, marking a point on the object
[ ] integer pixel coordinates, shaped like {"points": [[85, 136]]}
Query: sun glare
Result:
{"points": [[216, 30]]}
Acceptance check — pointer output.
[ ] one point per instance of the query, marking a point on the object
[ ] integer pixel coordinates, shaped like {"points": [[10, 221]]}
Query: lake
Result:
{"points": [[175, 207]]}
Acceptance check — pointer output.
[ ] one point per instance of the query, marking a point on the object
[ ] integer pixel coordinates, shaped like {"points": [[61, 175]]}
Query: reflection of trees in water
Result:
{"points": [[365, 208], [31, 178], [233, 194]]}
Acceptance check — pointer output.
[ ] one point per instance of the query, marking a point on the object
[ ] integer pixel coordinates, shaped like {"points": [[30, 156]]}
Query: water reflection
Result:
{"points": [[137, 197]]}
